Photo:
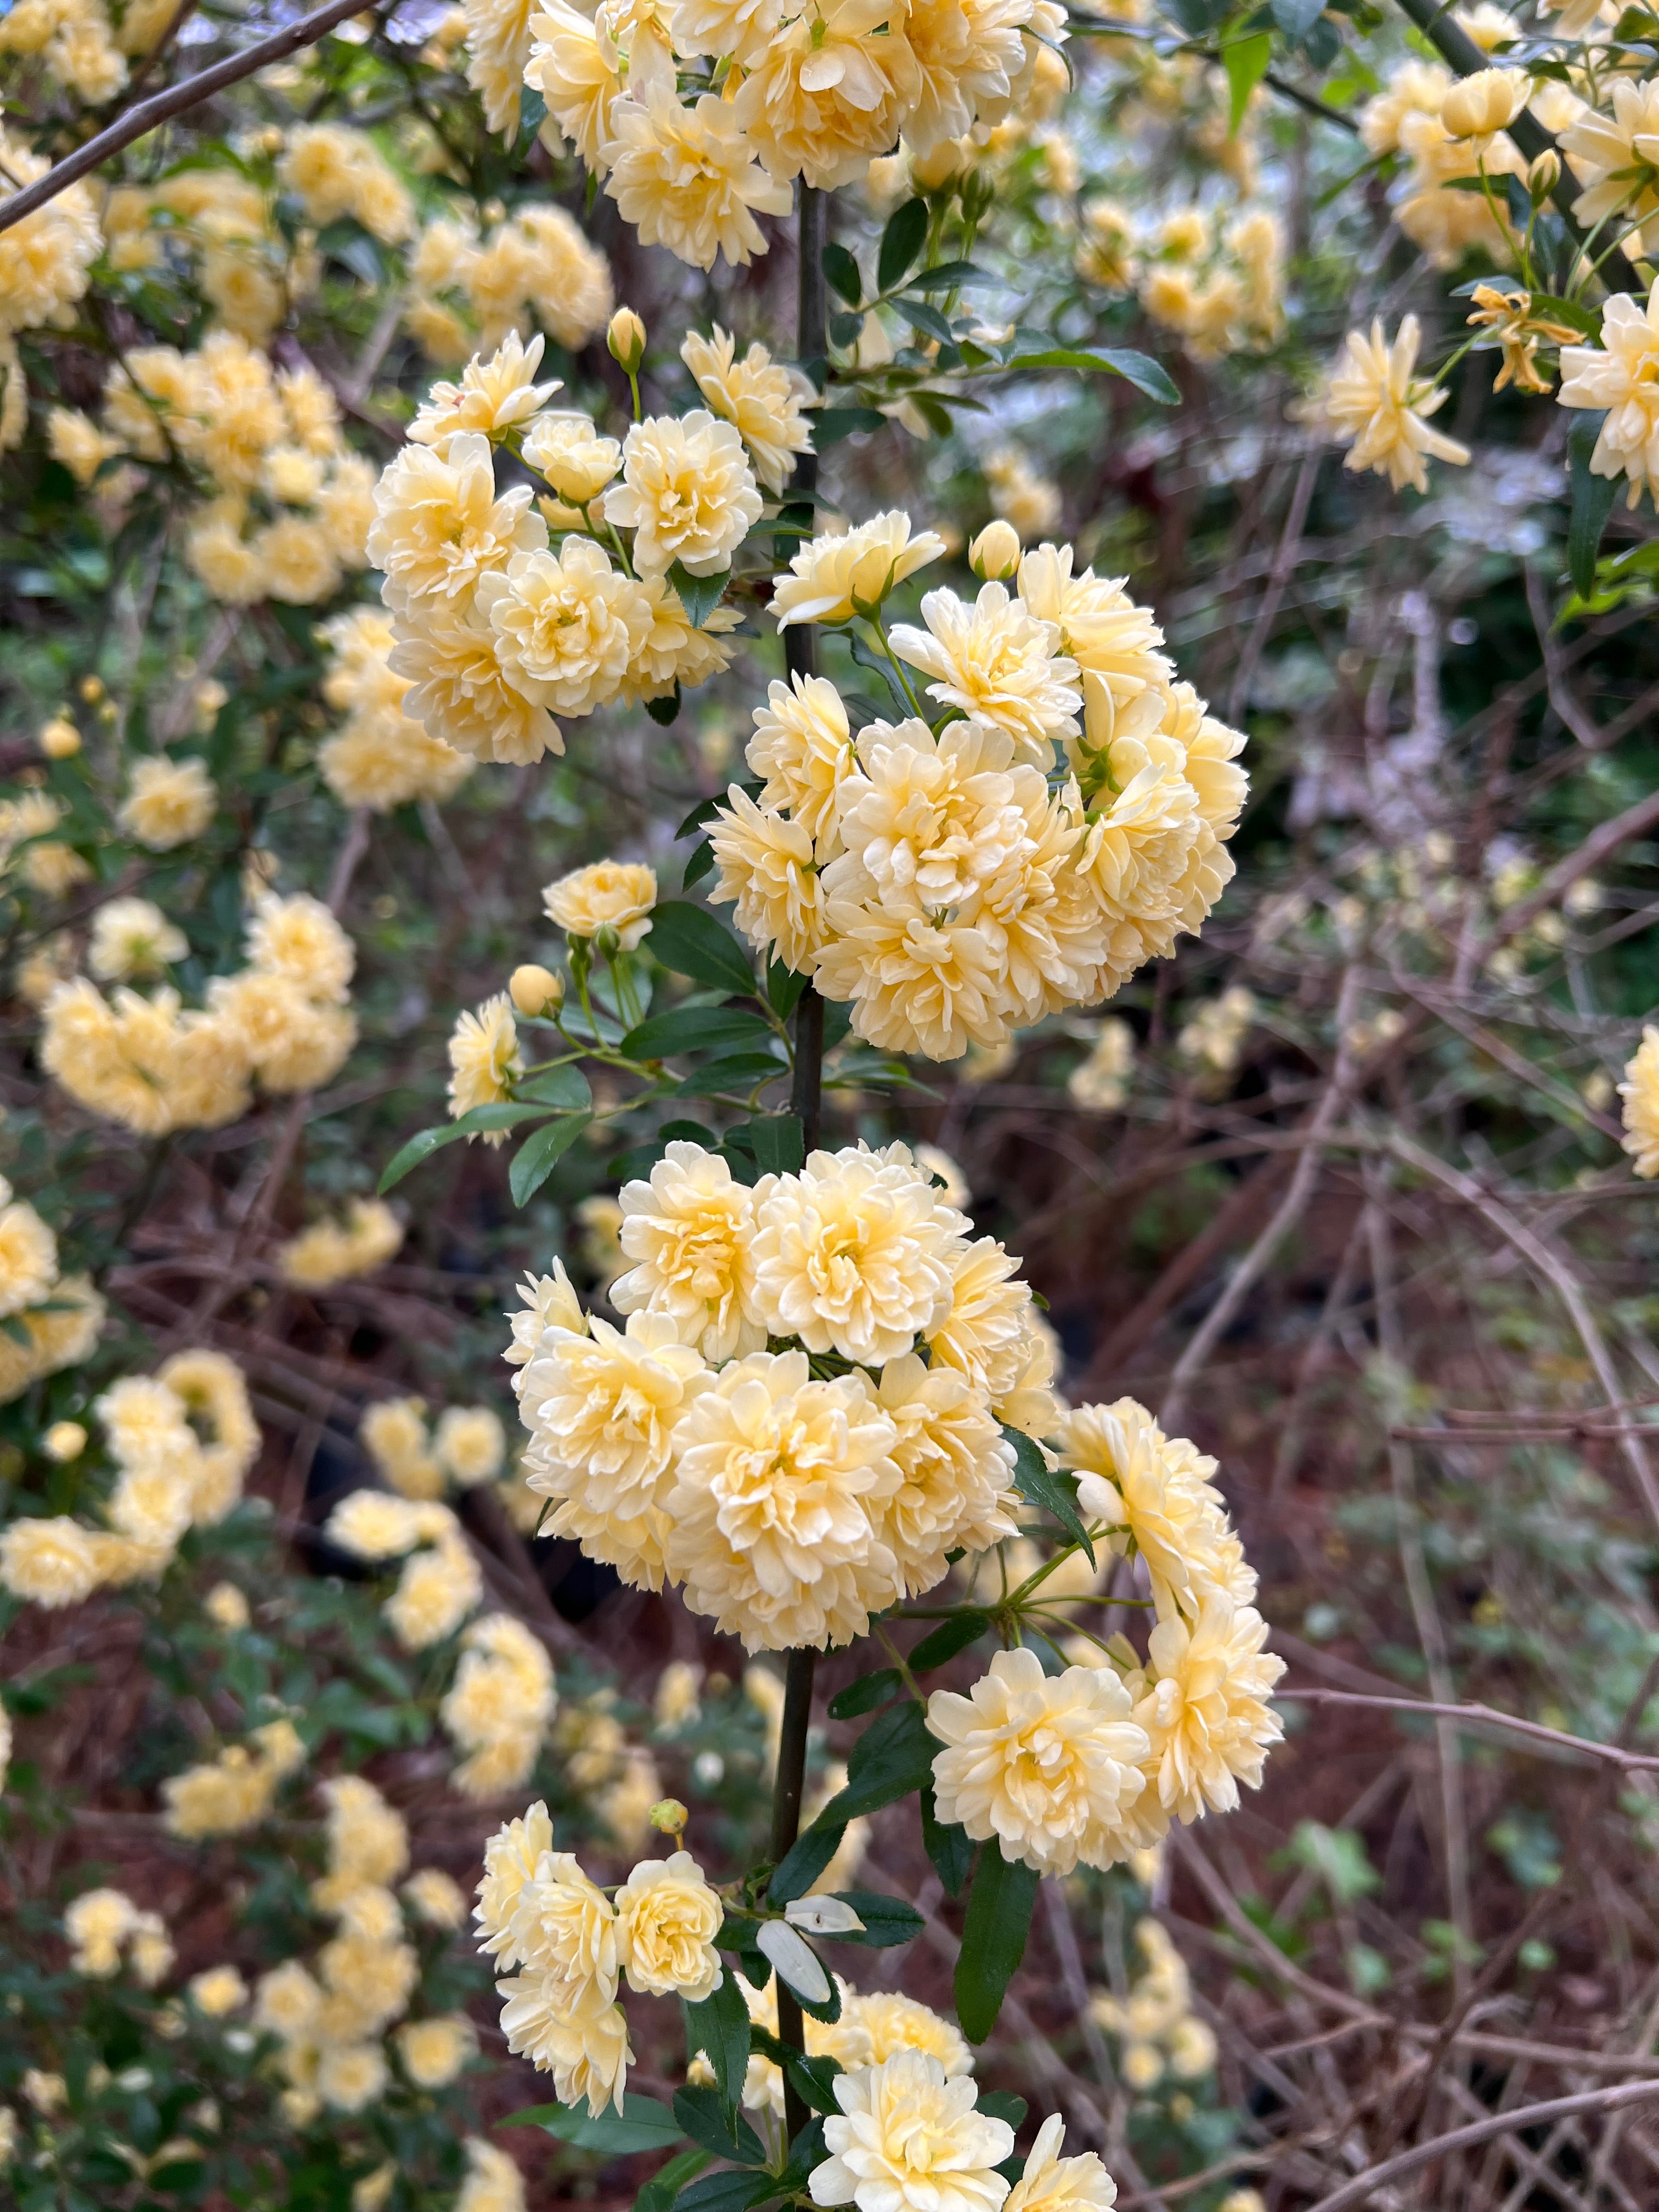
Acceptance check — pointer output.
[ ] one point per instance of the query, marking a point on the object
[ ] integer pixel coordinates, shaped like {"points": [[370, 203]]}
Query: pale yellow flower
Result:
{"points": [[1154, 1492], [51, 1563], [688, 1230], [432, 2052], [1100, 1083], [301, 939], [1614, 156], [28, 1254], [999, 663], [131, 937], [802, 749], [602, 1410], [484, 1060], [1050, 2183], [469, 1444], [854, 1254], [768, 1522], [1640, 1092], [765, 864], [457, 689], [577, 75], [1619, 376], [167, 802], [567, 625], [764, 399], [585, 2046], [667, 1919], [438, 526], [958, 1472], [831, 576], [351, 2076], [493, 395], [687, 178], [219, 1991], [1203, 1705], [826, 95], [614, 895], [1050, 1768], [497, 49], [435, 1899], [686, 492], [1375, 405], [907, 2139], [570, 454]]}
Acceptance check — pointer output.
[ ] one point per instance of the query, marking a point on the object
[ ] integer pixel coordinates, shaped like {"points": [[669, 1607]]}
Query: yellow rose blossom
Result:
{"points": [[614, 895]]}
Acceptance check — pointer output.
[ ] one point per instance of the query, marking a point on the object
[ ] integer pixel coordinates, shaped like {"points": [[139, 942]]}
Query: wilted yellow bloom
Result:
{"points": [[1377, 407]]}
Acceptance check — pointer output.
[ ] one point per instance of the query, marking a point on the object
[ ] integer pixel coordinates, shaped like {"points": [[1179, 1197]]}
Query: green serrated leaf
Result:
{"points": [[993, 1938], [539, 1154], [701, 2116], [698, 595], [719, 2028], [1050, 1490], [660, 2192], [894, 1756], [691, 940]]}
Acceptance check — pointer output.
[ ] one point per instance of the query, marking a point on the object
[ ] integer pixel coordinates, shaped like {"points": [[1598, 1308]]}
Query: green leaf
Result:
{"points": [[894, 1756], [924, 318], [692, 1028], [783, 988], [1138, 368], [641, 2125], [538, 1157], [993, 1938], [692, 942], [814, 2077], [779, 1145], [660, 2192], [730, 2190], [901, 243], [947, 1639], [950, 277], [865, 1694], [888, 1921], [701, 864], [737, 1072], [1053, 1491], [702, 2117], [1592, 504], [806, 2152], [1295, 18], [665, 712], [831, 424], [947, 1845], [802, 1864], [1003, 2105], [532, 113], [698, 595], [840, 273], [719, 2028], [504, 1114], [565, 1086], [1245, 61]]}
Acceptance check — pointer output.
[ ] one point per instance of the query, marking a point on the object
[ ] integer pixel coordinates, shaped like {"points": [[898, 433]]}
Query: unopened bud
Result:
{"points": [[669, 1817], [625, 339], [64, 1440], [1487, 101], [933, 170], [536, 990], [1544, 176], [995, 551], [92, 690], [59, 739]]}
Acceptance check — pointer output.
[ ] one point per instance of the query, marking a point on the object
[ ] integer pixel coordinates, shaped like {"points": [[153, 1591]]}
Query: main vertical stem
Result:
{"points": [[801, 655]]}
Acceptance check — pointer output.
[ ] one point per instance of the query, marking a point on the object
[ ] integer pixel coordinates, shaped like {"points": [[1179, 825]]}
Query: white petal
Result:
{"points": [[795, 1963], [823, 1916]]}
